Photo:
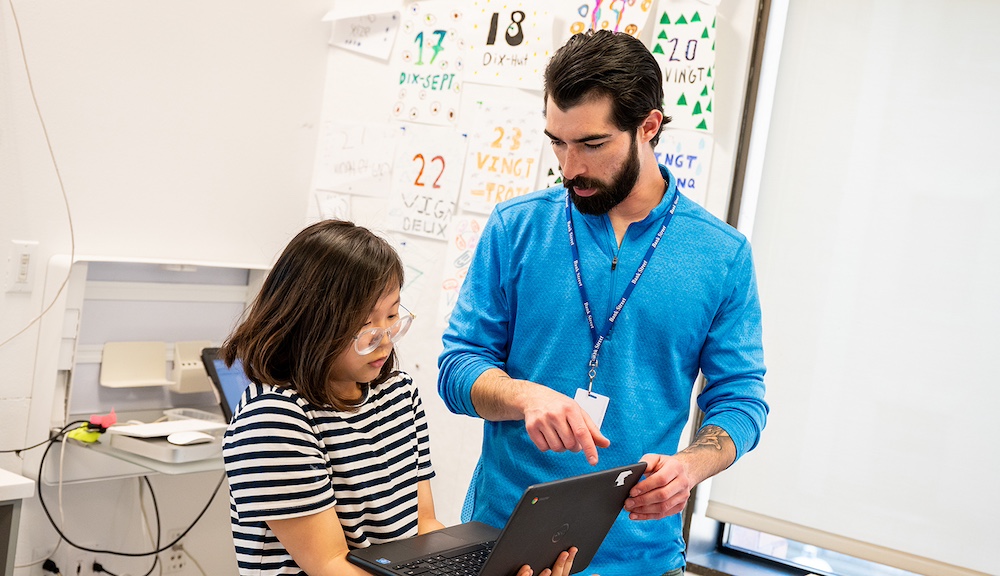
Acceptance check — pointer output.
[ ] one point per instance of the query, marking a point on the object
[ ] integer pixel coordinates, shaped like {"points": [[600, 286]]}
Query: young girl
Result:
{"points": [[328, 449]]}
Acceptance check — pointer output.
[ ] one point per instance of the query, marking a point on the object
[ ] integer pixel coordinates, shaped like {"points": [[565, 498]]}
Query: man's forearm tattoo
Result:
{"points": [[709, 437]]}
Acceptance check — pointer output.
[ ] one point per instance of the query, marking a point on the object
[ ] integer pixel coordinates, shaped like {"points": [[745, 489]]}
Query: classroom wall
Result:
{"points": [[187, 132], [182, 131]]}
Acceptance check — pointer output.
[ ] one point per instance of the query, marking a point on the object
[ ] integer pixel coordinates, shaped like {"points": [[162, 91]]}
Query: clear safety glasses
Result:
{"points": [[368, 340]]}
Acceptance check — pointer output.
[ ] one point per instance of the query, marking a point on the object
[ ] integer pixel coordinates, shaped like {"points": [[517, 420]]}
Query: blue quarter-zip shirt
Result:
{"points": [[695, 308]]}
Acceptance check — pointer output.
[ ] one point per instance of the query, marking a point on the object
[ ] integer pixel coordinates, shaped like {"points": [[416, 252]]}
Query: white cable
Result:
{"points": [[62, 453], [145, 525], [42, 559], [200, 569], [62, 187]]}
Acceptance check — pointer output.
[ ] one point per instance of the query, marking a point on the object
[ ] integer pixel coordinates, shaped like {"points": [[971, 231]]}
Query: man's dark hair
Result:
{"points": [[604, 63]]}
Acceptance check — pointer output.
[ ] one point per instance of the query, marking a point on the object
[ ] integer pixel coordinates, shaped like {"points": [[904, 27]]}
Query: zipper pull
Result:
{"points": [[614, 263]]}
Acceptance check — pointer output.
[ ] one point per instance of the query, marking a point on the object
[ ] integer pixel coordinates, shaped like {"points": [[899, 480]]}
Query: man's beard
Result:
{"points": [[607, 196]]}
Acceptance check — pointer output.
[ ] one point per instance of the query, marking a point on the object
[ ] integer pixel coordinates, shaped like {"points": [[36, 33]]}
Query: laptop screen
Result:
{"points": [[229, 381]]}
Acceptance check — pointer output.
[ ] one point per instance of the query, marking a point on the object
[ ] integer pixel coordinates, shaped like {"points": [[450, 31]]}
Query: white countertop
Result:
{"points": [[14, 486]]}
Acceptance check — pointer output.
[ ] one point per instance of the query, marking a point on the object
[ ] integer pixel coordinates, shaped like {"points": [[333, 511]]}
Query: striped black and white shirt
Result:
{"points": [[286, 458]]}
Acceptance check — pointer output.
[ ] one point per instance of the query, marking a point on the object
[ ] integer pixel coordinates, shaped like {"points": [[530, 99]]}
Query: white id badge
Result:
{"points": [[593, 404]]}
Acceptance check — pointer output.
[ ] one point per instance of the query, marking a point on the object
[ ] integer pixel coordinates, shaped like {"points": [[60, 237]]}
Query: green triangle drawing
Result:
{"points": [[681, 20], [702, 125], [663, 35], [704, 91], [682, 101], [696, 17], [710, 75], [709, 107], [705, 33], [713, 23], [713, 46], [697, 109], [657, 50], [664, 19], [412, 274]]}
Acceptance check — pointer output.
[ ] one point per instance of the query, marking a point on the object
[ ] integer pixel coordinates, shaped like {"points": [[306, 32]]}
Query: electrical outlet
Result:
{"points": [[80, 565], [174, 560], [73, 562], [21, 266]]}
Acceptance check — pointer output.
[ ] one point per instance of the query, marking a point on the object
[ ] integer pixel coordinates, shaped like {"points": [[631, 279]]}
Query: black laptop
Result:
{"points": [[228, 382], [549, 518]]}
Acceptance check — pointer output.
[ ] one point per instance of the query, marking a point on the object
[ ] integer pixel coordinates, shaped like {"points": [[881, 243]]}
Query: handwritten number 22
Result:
{"points": [[423, 164]]}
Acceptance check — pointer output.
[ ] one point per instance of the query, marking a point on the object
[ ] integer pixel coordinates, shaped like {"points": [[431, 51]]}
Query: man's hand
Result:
{"points": [[669, 479], [556, 422], [663, 492]]}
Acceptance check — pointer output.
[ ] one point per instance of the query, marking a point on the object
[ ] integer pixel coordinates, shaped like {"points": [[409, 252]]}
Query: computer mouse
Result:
{"points": [[188, 437]]}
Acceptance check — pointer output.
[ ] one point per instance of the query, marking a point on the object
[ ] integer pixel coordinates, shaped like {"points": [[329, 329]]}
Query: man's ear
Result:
{"points": [[650, 127]]}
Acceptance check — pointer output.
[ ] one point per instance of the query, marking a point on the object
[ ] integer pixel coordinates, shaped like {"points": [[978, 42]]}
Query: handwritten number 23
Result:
{"points": [[516, 139], [423, 164]]}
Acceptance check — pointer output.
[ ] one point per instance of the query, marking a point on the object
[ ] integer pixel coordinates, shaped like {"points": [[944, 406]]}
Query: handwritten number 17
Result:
{"points": [[437, 48]]}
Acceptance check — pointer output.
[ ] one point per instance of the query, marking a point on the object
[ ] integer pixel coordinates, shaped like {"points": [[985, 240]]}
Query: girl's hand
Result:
{"points": [[562, 566]]}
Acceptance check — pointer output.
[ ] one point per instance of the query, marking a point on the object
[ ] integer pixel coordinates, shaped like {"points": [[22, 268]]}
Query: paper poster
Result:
{"points": [[426, 177], [420, 267], [355, 159], [508, 43], [428, 62], [684, 45], [463, 235], [688, 156], [628, 16], [370, 34], [549, 172], [333, 206], [502, 158]]}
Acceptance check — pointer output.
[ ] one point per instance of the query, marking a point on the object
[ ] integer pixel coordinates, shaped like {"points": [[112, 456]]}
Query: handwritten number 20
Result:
{"points": [[689, 50], [515, 39], [423, 164]]}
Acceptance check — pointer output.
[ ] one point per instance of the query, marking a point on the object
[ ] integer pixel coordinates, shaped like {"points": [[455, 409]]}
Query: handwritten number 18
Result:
{"points": [[513, 39]]}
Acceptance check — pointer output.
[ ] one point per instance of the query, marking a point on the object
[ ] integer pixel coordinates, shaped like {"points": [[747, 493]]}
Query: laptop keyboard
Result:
{"points": [[466, 561]]}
